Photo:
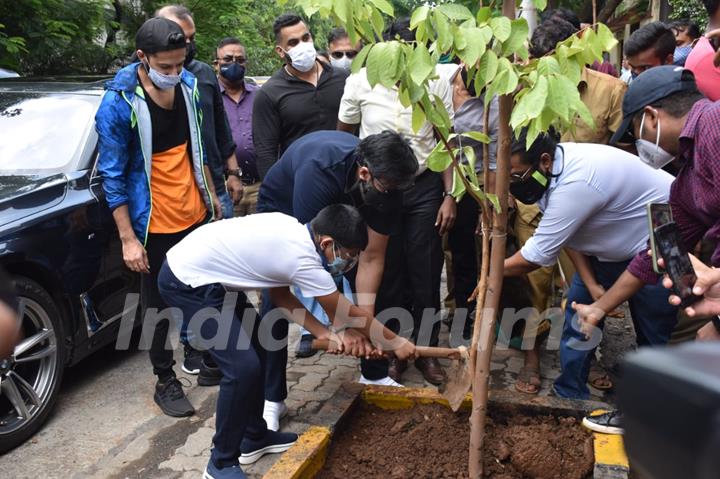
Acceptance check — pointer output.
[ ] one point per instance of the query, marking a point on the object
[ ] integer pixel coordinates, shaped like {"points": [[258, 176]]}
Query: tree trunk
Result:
{"points": [[481, 377], [607, 10]]}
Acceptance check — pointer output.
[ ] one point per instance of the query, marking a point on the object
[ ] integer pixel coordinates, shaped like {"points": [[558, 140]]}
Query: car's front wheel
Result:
{"points": [[30, 378]]}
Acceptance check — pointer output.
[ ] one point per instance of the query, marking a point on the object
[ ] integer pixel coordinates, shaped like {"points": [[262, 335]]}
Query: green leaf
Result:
{"points": [[418, 117], [458, 187], [483, 14], [442, 25], [605, 38], [530, 106], [475, 46], [459, 38], [442, 112], [493, 199], [558, 99], [477, 136], [343, 10], [439, 159], [584, 113], [359, 60], [548, 66], [384, 6], [420, 65], [377, 22], [518, 36], [455, 11], [419, 15], [486, 70], [404, 97], [383, 64], [540, 4], [502, 28]]}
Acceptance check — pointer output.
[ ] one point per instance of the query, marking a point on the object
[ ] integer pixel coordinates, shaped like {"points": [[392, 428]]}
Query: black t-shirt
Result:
{"points": [[169, 127], [317, 171], [286, 108]]}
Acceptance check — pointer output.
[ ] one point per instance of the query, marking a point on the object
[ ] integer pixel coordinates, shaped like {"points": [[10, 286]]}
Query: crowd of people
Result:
{"points": [[313, 190]]}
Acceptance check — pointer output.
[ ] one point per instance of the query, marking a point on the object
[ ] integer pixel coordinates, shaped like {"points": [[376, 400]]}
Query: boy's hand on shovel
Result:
{"points": [[356, 344]]}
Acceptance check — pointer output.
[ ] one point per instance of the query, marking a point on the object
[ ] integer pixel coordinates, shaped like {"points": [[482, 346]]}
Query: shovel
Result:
{"points": [[459, 374]]}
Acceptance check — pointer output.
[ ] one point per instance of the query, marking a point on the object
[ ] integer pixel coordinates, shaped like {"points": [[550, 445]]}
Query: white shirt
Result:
{"points": [[597, 204], [379, 109], [264, 250]]}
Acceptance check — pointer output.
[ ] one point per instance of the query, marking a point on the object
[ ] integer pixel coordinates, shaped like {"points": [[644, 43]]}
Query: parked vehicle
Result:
{"points": [[59, 242]]}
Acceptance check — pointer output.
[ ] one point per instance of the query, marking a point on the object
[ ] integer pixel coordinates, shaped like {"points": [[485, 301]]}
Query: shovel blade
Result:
{"points": [[459, 380]]}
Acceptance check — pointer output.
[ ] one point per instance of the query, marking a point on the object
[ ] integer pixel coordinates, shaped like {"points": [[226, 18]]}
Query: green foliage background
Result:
{"points": [[57, 37], [692, 9]]}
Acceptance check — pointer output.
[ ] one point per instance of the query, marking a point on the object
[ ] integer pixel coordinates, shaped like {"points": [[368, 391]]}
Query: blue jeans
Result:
{"points": [[239, 356], [654, 319], [226, 204]]}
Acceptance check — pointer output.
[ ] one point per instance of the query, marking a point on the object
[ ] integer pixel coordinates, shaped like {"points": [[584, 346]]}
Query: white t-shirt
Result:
{"points": [[379, 109], [264, 250], [596, 204]]}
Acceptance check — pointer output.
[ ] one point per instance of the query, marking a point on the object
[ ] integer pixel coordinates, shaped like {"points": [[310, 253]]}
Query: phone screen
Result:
{"points": [[677, 262], [659, 214]]}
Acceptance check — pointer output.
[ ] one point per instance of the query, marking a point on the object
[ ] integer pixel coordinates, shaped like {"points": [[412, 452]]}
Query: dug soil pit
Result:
{"points": [[430, 441]]}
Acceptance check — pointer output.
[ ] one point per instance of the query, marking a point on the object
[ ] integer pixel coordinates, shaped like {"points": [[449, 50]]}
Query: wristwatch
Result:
{"points": [[234, 172]]}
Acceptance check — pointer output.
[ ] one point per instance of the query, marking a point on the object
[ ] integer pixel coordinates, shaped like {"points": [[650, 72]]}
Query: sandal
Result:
{"points": [[528, 380], [599, 379]]}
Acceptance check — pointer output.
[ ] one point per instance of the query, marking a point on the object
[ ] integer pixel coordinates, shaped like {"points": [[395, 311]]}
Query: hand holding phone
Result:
{"points": [[658, 214], [677, 262]]}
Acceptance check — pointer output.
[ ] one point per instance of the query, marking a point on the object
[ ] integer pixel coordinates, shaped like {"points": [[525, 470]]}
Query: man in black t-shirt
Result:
{"points": [[302, 97], [320, 169]]}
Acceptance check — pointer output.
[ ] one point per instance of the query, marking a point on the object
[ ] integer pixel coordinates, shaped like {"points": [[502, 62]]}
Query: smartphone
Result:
{"points": [[677, 262], [658, 214]]}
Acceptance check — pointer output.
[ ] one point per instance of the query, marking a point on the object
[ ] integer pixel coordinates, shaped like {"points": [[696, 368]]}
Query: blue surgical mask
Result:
{"points": [[339, 265], [161, 80], [234, 73]]}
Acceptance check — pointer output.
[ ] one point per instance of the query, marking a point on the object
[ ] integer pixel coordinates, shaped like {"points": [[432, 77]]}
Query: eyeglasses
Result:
{"points": [[337, 55], [520, 178], [240, 60]]}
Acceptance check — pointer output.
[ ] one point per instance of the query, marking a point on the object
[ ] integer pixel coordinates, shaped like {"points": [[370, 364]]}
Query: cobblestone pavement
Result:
{"points": [[107, 426]]}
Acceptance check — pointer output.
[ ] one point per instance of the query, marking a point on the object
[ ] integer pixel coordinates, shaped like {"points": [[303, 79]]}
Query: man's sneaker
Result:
{"points": [[193, 360], [209, 375], [386, 381], [304, 349], [273, 443], [172, 400], [273, 412], [214, 472], [607, 423]]}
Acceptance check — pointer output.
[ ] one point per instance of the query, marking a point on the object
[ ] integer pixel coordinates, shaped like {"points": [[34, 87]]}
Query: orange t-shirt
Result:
{"points": [[176, 200]]}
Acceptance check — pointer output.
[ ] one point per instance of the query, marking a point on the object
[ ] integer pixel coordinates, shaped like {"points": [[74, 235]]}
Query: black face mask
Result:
{"points": [[190, 52], [363, 193], [532, 189]]}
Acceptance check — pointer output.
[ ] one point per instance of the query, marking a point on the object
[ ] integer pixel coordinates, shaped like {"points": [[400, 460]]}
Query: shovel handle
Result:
{"points": [[423, 351]]}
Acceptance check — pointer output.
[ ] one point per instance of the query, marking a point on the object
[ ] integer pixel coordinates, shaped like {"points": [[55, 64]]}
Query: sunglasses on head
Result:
{"points": [[338, 55]]}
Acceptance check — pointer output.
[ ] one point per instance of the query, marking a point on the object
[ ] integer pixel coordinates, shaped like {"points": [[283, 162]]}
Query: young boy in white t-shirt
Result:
{"points": [[273, 251]]}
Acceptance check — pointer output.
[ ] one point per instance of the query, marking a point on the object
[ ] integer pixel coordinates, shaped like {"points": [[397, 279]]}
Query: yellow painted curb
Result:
{"points": [[387, 397], [305, 459], [610, 450]]}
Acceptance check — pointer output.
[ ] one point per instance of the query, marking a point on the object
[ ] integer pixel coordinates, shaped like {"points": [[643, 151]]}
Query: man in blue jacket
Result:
{"points": [[155, 175]]}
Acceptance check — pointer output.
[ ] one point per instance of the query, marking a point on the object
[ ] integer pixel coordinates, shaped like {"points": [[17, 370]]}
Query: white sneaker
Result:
{"points": [[386, 381], [273, 412]]}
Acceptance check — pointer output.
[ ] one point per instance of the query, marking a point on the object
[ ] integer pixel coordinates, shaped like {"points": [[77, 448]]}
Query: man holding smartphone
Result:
{"points": [[670, 121], [608, 226]]}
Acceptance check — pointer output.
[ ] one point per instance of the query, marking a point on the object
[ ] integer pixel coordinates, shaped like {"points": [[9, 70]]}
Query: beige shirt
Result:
{"points": [[379, 109], [603, 95]]}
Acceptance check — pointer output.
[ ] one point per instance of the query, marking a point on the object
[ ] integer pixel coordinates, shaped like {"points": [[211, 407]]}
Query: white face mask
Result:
{"points": [[343, 63], [650, 153], [302, 56]]}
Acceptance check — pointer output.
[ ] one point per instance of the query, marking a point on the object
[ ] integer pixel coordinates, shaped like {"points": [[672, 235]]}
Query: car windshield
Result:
{"points": [[42, 133]]}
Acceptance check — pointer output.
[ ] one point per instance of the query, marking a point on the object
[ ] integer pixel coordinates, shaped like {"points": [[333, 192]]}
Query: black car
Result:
{"points": [[59, 242]]}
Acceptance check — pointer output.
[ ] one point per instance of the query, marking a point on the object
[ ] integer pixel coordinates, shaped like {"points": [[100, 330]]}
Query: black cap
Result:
{"points": [[648, 88], [159, 35]]}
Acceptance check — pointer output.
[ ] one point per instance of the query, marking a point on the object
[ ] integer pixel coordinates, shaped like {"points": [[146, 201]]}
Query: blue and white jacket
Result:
{"points": [[125, 145]]}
